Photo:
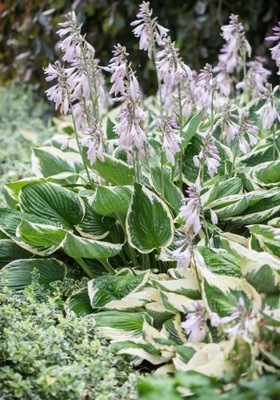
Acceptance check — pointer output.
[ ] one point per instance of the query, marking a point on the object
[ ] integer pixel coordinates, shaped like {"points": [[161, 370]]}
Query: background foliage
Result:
{"points": [[27, 39]]}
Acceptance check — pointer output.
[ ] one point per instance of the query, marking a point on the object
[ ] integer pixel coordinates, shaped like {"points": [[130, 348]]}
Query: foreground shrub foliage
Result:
{"points": [[47, 355], [170, 205]]}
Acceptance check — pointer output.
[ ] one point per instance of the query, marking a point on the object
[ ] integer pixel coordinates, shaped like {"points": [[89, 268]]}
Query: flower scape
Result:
{"points": [[169, 205]]}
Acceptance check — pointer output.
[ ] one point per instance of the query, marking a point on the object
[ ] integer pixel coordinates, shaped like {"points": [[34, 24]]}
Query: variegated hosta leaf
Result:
{"points": [[48, 161], [93, 225], [149, 223], [266, 238], [53, 202], [140, 349], [229, 206], [19, 274], [78, 247], [173, 331], [113, 170], [260, 154], [41, 236], [122, 291], [13, 188], [221, 294], [263, 205], [186, 287], [112, 201], [222, 189], [121, 325], [209, 359], [79, 303], [10, 251], [221, 261], [266, 175], [172, 194]]}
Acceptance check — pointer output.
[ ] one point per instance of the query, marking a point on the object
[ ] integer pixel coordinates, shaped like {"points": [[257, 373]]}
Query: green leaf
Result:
{"points": [[121, 325], [221, 262], [93, 225], [257, 156], [158, 388], [221, 294], [10, 251], [104, 289], [172, 194], [145, 351], [149, 223], [48, 161], [60, 206], [41, 235], [78, 247], [112, 201], [267, 174], [266, 238], [263, 205], [114, 171], [229, 206], [18, 274], [192, 127], [223, 189], [79, 303]]}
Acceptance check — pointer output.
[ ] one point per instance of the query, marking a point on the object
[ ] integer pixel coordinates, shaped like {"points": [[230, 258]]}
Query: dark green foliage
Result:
{"points": [[47, 355]]}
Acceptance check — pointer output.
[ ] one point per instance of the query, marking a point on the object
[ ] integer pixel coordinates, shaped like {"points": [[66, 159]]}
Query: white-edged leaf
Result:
{"points": [[149, 222]]}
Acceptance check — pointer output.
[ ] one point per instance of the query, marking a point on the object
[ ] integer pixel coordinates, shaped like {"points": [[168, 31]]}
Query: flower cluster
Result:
{"points": [[209, 155], [234, 325], [268, 112], [171, 139], [74, 89], [148, 29], [191, 210], [129, 129], [275, 51]]}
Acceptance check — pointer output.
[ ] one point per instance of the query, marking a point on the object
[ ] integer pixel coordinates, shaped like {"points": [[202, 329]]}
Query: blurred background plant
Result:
{"points": [[27, 35]]}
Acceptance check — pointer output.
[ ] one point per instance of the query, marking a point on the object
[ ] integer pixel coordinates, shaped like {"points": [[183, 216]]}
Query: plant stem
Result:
{"points": [[181, 135], [107, 265], [274, 142], [86, 268]]}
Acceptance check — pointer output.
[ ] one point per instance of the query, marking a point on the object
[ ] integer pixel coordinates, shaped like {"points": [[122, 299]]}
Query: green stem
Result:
{"points": [[86, 268], [181, 135], [233, 160], [77, 137], [274, 142], [108, 266]]}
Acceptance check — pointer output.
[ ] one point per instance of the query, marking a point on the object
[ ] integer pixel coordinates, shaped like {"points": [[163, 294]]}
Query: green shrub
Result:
{"points": [[46, 355]]}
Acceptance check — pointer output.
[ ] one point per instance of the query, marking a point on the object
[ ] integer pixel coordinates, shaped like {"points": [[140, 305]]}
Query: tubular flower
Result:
{"points": [[268, 112], [209, 154], [93, 140], [228, 122], [184, 253], [239, 320], [194, 325], [148, 29], [236, 48], [171, 140], [275, 51], [171, 68], [246, 128], [190, 212], [256, 78]]}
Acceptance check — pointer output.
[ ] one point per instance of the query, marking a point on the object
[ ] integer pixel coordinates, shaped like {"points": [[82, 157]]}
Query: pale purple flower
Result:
{"points": [[184, 253], [246, 128], [171, 68], [268, 112], [191, 210], [275, 51], [194, 325], [58, 93], [256, 78], [93, 140], [171, 139], [209, 154], [228, 122], [207, 89], [118, 67], [239, 320], [236, 48], [148, 29]]}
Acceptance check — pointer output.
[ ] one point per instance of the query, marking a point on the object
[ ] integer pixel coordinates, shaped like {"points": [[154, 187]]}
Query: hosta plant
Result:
{"points": [[170, 204]]}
